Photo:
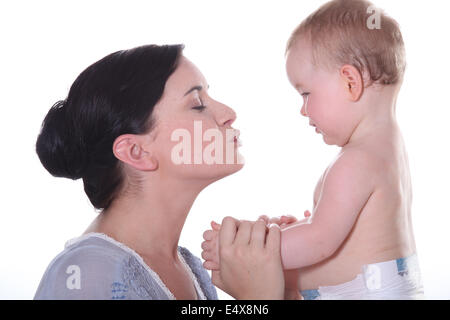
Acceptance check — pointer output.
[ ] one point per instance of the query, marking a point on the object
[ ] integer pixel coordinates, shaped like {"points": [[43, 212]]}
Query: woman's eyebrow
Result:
{"points": [[199, 88]]}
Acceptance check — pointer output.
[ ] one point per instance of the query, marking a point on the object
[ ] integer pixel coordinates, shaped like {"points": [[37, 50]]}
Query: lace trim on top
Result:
{"points": [[153, 274]]}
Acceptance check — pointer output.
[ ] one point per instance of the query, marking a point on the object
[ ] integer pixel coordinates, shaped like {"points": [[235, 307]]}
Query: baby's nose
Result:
{"points": [[303, 110]]}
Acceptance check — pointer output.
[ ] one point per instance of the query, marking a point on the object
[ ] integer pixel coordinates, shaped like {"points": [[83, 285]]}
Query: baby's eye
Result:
{"points": [[305, 94]]}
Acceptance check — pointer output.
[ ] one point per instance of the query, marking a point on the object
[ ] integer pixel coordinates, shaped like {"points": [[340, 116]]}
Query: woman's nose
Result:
{"points": [[226, 117]]}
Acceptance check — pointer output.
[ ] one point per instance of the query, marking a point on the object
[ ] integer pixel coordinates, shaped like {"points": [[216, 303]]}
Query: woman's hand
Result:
{"points": [[210, 246], [291, 291], [250, 260]]}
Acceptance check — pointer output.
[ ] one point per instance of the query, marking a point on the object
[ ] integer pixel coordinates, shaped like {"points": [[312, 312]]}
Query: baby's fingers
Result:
{"points": [[209, 235], [208, 245], [275, 220], [215, 226], [287, 219], [208, 256], [211, 265]]}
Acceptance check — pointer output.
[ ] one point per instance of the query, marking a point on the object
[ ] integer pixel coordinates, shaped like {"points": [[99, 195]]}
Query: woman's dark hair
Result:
{"points": [[114, 96]]}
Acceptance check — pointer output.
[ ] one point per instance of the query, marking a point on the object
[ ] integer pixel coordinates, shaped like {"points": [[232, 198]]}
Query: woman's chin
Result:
{"points": [[219, 171], [215, 172]]}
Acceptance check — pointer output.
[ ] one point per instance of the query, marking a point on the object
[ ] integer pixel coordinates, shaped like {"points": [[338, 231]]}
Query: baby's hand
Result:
{"points": [[282, 221], [210, 247]]}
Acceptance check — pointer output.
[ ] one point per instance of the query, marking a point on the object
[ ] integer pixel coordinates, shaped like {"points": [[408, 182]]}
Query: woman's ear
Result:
{"points": [[130, 149], [352, 81]]}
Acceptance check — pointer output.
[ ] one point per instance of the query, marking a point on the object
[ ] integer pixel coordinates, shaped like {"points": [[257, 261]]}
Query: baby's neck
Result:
{"points": [[379, 118]]}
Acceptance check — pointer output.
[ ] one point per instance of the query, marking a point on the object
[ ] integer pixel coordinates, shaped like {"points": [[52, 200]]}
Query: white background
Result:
{"points": [[239, 46]]}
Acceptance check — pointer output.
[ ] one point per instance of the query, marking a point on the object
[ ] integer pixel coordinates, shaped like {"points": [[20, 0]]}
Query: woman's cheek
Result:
{"points": [[187, 138]]}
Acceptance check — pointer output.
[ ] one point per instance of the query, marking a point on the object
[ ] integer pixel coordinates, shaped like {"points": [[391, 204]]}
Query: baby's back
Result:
{"points": [[383, 230]]}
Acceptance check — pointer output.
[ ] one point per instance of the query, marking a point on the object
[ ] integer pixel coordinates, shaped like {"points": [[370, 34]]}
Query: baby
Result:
{"points": [[358, 242], [347, 61]]}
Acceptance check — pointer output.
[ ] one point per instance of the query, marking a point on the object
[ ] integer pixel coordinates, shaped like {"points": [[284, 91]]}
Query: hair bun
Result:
{"points": [[58, 153]]}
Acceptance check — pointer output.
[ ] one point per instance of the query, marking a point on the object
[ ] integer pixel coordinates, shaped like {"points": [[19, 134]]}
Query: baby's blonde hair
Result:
{"points": [[339, 34]]}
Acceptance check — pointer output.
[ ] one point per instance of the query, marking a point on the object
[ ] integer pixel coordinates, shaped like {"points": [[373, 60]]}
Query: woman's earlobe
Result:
{"points": [[151, 163]]}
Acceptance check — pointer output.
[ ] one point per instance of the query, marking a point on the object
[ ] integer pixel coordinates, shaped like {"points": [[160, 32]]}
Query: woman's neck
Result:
{"points": [[151, 221]]}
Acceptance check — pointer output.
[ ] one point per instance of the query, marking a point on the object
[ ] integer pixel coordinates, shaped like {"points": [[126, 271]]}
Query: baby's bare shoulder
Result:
{"points": [[364, 163], [356, 158]]}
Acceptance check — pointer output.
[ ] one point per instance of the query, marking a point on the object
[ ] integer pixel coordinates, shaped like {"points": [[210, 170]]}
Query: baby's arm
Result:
{"points": [[346, 188]]}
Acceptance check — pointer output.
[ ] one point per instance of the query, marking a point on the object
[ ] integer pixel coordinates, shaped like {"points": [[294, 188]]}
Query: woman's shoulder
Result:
{"points": [[89, 267], [95, 266], [88, 250], [203, 278]]}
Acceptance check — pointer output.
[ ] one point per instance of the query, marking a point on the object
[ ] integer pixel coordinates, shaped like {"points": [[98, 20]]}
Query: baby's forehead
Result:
{"points": [[300, 52], [299, 59]]}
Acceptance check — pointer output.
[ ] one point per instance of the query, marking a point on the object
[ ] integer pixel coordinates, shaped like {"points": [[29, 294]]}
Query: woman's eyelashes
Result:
{"points": [[200, 107]]}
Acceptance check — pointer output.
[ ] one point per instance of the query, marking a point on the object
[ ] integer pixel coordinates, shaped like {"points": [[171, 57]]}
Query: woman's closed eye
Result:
{"points": [[200, 107]]}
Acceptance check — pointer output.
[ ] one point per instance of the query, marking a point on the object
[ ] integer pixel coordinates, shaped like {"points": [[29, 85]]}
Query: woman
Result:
{"points": [[117, 130]]}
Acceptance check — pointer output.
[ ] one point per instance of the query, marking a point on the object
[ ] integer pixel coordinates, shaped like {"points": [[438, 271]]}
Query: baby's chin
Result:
{"points": [[332, 141]]}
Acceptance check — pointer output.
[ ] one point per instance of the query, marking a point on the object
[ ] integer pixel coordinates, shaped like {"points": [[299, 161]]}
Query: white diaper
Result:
{"points": [[391, 280]]}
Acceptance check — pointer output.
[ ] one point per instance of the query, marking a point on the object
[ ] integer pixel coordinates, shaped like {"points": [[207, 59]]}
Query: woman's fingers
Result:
{"points": [[265, 218], [217, 280], [244, 232], [227, 232], [273, 238], [246, 273], [258, 235]]}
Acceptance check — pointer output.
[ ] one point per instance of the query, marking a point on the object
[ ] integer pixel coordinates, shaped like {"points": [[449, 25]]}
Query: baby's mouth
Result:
{"points": [[313, 125]]}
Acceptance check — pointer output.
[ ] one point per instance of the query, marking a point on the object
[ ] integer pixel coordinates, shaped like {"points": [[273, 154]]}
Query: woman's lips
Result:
{"points": [[236, 139]]}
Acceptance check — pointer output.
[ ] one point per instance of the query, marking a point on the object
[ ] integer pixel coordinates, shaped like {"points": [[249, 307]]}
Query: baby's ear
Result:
{"points": [[130, 149], [352, 81]]}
